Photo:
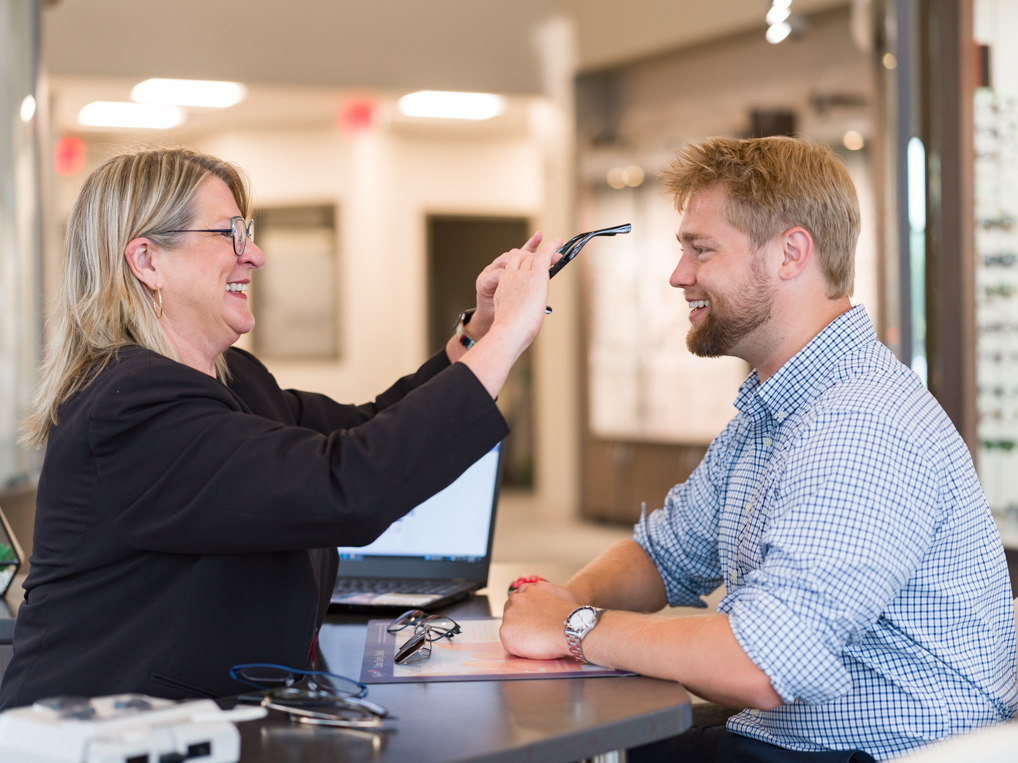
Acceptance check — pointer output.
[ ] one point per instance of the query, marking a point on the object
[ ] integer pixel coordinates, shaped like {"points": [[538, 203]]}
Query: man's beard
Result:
{"points": [[725, 325]]}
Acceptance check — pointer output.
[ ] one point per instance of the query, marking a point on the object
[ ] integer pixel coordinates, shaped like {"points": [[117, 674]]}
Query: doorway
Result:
{"points": [[459, 248]]}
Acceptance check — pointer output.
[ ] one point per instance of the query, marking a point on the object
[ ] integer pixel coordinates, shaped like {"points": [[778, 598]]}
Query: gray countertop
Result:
{"points": [[524, 721]]}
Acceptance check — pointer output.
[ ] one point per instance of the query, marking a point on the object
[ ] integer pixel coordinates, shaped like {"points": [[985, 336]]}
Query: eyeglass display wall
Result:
{"points": [[996, 238]]}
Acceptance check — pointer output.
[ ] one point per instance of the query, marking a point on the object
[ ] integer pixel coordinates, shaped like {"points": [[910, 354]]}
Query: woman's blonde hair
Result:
{"points": [[101, 306], [774, 184]]}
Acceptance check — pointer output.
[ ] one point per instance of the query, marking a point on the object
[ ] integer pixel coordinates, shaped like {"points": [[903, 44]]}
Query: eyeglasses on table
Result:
{"points": [[314, 697], [426, 629]]}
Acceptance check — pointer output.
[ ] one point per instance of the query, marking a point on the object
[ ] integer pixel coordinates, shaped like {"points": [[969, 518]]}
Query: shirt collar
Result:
{"points": [[806, 373]]}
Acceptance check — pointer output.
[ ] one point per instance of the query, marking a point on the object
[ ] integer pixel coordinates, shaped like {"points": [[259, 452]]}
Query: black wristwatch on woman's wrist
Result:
{"points": [[461, 328]]}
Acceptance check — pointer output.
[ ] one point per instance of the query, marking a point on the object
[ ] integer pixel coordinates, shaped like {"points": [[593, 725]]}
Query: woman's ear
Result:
{"points": [[138, 254]]}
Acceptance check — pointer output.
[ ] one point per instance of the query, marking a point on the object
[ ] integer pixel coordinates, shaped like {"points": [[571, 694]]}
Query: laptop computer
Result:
{"points": [[437, 554]]}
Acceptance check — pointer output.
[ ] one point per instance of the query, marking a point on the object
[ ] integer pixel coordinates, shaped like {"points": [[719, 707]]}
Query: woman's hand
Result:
{"points": [[518, 303], [487, 284]]}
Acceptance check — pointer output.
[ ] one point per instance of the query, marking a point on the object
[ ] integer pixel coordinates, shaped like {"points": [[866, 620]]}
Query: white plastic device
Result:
{"points": [[124, 728]]}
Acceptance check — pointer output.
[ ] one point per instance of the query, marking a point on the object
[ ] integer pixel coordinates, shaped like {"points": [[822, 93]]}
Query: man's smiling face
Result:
{"points": [[723, 277]]}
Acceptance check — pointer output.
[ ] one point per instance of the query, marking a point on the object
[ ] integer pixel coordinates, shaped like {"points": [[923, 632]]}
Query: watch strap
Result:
{"points": [[461, 329], [575, 638]]}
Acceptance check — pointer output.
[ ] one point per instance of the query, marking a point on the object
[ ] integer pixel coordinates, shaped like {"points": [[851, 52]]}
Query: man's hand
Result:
{"points": [[533, 622]]}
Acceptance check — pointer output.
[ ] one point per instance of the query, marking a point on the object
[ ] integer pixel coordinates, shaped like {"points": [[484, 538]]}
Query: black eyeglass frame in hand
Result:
{"points": [[572, 247]]}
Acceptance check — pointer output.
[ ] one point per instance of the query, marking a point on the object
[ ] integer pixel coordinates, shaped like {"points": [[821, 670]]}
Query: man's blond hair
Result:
{"points": [[773, 184]]}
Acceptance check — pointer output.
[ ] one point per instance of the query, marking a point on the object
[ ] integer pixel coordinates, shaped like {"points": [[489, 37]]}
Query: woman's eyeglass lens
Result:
{"points": [[242, 230]]}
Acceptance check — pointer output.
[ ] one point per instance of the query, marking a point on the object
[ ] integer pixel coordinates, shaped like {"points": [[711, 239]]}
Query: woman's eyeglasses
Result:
{"points": [[427, 628], [314, 697], [240, 230]]}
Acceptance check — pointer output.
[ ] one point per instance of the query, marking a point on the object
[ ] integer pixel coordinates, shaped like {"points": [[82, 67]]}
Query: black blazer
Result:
{"points": [[177, 518]]}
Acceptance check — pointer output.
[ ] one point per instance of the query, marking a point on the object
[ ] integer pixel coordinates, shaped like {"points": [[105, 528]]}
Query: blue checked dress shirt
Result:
{"points": [[864, 573]]}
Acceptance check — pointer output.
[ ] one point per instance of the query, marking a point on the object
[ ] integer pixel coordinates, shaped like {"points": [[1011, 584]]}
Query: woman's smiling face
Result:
{"points": [[205, 303]]}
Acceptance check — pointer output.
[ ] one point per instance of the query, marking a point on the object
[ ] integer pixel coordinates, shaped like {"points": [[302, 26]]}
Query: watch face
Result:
{"points": [[581, 619]]}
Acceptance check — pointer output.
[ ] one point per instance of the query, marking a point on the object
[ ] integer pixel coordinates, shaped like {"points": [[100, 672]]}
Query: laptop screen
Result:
{"points": [[454, 525]]}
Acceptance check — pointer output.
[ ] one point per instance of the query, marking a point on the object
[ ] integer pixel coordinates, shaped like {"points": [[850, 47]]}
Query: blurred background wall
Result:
{"points": [[370, 216]]}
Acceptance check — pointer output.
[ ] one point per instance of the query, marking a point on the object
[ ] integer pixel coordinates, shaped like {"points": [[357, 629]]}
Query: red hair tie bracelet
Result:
{"points": [[514, 586]]}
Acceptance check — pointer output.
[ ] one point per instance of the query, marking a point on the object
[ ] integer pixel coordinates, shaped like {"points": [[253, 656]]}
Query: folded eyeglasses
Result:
{"points": [[427, 628]]}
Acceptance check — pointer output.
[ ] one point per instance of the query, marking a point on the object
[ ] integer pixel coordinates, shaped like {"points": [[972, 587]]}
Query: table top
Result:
{"points": [[532, 721], [522, 721]]}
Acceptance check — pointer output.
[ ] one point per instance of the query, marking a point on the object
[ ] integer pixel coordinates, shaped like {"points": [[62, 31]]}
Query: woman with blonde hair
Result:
{"points": [[188, 508]]}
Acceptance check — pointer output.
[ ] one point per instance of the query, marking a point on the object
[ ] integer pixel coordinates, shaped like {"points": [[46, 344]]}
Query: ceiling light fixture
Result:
{"points": [[777, 17], [28, 108], [438, 104], [189, 92], [146, 116]]}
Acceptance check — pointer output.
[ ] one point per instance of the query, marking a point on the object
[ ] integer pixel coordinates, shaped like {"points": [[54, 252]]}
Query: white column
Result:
{"points": [[557, 349], [20, 229]]}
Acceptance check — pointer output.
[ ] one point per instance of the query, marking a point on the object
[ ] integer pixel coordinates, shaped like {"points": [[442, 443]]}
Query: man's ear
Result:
{"points": [[138, 254], [797, 252]]}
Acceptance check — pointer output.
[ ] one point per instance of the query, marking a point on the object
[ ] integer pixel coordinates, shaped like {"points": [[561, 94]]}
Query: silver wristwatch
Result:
{"points": [[580, 622]]}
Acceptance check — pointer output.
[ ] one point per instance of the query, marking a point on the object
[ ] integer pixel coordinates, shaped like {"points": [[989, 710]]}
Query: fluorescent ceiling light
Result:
{"points": [[777, 14], [126, 114], [189, 92], [778, 32], [447, 105]]}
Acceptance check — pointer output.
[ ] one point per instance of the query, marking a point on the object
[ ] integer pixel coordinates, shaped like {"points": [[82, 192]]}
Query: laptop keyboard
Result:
{"points": [[388, 585], [389, 592]]}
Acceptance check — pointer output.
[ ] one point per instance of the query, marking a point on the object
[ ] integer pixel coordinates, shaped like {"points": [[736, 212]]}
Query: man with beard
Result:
{"points": [[867, 608]]}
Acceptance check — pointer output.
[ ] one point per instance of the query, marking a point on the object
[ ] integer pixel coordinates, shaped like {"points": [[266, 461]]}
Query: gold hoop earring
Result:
{"points": [[159, 313]]}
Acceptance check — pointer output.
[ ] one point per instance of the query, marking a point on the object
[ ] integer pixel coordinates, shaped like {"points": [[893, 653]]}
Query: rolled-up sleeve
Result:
{"points": [[682, 538], [854, 508]]}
